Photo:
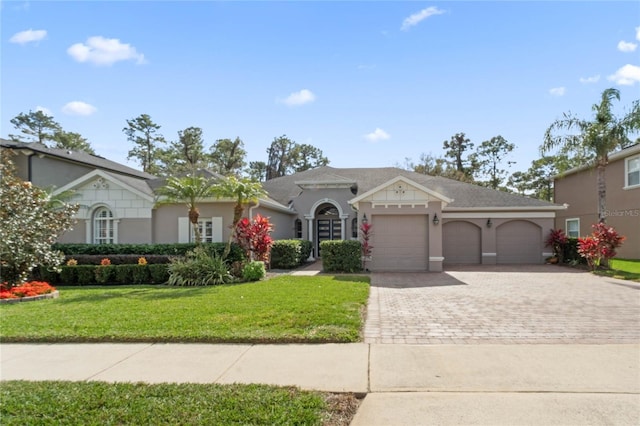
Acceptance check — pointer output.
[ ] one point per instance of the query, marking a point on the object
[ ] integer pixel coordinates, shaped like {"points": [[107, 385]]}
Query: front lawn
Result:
{"points": [[626, 269], [99, 403], [282, 309]]}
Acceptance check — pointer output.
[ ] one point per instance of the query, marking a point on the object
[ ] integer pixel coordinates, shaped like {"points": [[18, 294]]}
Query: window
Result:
{"points": [[205, 226], [354, 227], [573, 228], [103, 226], [298, 229], [632, 168]]}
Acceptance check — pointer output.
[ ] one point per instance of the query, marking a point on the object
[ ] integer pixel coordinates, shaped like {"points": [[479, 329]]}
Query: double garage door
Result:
{"points": [[517, 241], [400, 243]]}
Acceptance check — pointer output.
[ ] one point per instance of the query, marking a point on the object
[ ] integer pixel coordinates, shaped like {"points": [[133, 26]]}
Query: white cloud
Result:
{"points": [[589, 80], [302, 97], [377, 135], [638, 33], [558, 91], [78, 108], [45, 110], [628, 75], [626, 46], [28, 36], [418, 17], [104, 51]]}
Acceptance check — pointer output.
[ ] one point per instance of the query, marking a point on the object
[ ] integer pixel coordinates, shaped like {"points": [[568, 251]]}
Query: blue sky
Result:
{"points": [[369, 83]]}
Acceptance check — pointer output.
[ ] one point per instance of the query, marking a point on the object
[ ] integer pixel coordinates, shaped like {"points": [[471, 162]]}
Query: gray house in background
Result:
{"points": [[419, 222]]}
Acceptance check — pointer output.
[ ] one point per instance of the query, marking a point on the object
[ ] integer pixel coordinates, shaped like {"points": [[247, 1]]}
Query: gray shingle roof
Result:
{"points": [[465, 195]]}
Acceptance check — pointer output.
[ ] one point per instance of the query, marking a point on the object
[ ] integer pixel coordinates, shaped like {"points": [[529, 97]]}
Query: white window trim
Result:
{"points": [[626, 172], [111, 221], [186, 234], [566, 225]]}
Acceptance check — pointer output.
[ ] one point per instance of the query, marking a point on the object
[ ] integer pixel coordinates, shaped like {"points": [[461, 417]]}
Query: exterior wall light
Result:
{"points": [[489, 223], [364, 219], [436, 221]]}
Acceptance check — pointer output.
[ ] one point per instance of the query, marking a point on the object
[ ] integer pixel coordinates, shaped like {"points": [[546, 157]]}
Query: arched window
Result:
{"points": [[298, 228], [354, 227], [103, 226], [328, 210]]}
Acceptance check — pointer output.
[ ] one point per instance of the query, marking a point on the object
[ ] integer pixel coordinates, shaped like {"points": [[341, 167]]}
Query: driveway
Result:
{"points": [[502, 304]]}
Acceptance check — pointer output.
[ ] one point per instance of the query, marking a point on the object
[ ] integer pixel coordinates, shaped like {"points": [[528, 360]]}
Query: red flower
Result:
{"points": [[28, 289]]}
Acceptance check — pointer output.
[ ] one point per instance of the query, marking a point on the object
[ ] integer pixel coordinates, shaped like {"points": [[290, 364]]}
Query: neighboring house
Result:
{"points": [[419, 222], [578, 189]]}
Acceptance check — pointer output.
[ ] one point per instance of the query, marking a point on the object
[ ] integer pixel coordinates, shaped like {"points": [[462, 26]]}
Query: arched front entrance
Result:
{"points": [[327, 221]]}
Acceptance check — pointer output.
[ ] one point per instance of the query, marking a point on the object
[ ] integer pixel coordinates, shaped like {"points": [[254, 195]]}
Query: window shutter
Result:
{"points": [[217, 229], [183, 229]]}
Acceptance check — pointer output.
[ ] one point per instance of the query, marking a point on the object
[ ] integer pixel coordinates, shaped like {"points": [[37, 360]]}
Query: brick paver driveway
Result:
{"points": [[500, 304]]}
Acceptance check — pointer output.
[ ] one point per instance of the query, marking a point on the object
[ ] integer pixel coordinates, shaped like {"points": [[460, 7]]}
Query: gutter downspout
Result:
{"points": [[251, 209]]}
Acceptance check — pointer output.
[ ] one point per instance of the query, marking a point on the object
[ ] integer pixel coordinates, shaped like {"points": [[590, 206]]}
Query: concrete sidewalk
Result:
{"points": [[405, 384]]}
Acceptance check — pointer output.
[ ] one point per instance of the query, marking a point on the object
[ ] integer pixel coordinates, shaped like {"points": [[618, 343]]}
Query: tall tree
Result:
{"points": [[35, 127], [540, 176], [143, 133], [228, 157], [520, 182], [305, 157], [279, 157], [257, 171], [184, 155], [455, 150], [599, 137], [190, 190], [73, 141], [491, 155]]}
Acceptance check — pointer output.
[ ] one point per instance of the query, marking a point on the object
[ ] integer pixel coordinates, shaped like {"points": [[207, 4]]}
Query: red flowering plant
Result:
{"points": [[367, 248], [600, 246], [254, 237], [557, 240], [28, 289]]}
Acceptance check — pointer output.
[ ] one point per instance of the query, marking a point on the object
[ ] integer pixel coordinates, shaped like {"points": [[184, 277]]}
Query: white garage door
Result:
{"points": [[400, 243], [519, 241], [461, 243]]}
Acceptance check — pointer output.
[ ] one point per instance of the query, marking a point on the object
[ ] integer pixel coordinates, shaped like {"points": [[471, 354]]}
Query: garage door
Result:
{"points": [[519, 241], [400, 243], [461, 243]]}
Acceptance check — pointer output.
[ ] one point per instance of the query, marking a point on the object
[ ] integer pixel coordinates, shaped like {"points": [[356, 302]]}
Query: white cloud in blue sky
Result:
{"points": [[78, 108], [558, 91], [104, 51], [628, 75], [590, 80], [28, 36], [638, 33], [627, 46], [302, 97], [377, 135], [418, 17]]}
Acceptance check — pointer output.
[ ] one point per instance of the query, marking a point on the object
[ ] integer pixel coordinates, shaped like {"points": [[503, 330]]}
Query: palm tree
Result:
{"points": [[599, 137], [243, 191], [188, 190]]}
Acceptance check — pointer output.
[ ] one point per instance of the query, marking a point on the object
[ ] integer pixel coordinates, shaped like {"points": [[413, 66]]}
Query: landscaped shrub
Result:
{"points": [[159, 273], [141, 274], [68, 275], [104, 274], [570, 253], [198, 268], [85, 274], [118, 259], [254, 271], [600, 246], [341, 256], [289, 254], [124, 274]]}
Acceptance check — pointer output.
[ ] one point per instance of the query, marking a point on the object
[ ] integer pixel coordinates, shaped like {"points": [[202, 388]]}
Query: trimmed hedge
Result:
{"points": [[341, 256], [289, 254], [81, 275], [107, 250], [570, 253], [118, 259]]}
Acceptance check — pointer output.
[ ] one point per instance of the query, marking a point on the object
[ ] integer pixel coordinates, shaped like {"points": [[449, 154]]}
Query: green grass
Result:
{"points": [[282, 309], [99, 403], [626, 269]]}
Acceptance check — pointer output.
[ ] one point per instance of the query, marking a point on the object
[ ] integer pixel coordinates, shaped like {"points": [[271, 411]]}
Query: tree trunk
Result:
{"points": [[194, 215], [602, 193]]}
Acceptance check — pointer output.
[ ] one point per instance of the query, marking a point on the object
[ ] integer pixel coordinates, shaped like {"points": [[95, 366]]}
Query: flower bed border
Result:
{"points": [[53, 295]]}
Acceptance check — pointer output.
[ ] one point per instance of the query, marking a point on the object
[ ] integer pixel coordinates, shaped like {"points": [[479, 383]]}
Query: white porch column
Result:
{"points": [[88, 238], [343, 227], [310, 235]]}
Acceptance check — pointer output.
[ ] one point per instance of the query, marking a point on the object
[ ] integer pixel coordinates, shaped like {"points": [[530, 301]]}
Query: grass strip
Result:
{"points": [[100, 403], [625, 269], [284, 309]]}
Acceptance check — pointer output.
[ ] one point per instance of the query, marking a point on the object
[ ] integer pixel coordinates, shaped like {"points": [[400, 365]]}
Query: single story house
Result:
{"points": [[419, 222], [578, 188]]}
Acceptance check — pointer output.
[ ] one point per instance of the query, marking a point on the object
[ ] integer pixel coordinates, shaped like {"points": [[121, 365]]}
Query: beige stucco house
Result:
{"points": [[578, 189], [419, 222]]}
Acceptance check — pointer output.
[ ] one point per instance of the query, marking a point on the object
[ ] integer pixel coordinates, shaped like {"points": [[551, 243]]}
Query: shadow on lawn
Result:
{"points": [[156, 292]]}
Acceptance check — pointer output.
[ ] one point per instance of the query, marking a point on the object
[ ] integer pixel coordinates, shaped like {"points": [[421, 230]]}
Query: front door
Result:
{"points": [[328, 229]]}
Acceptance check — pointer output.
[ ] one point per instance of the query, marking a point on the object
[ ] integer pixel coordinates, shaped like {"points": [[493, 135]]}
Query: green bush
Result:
{"points": [[124, 274], [341, 256], [159, 273], [198, 268], [86, 274], [104, 274], [254, 271], [570, 253], [141, 274], [289, 254], [68, 275]]}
